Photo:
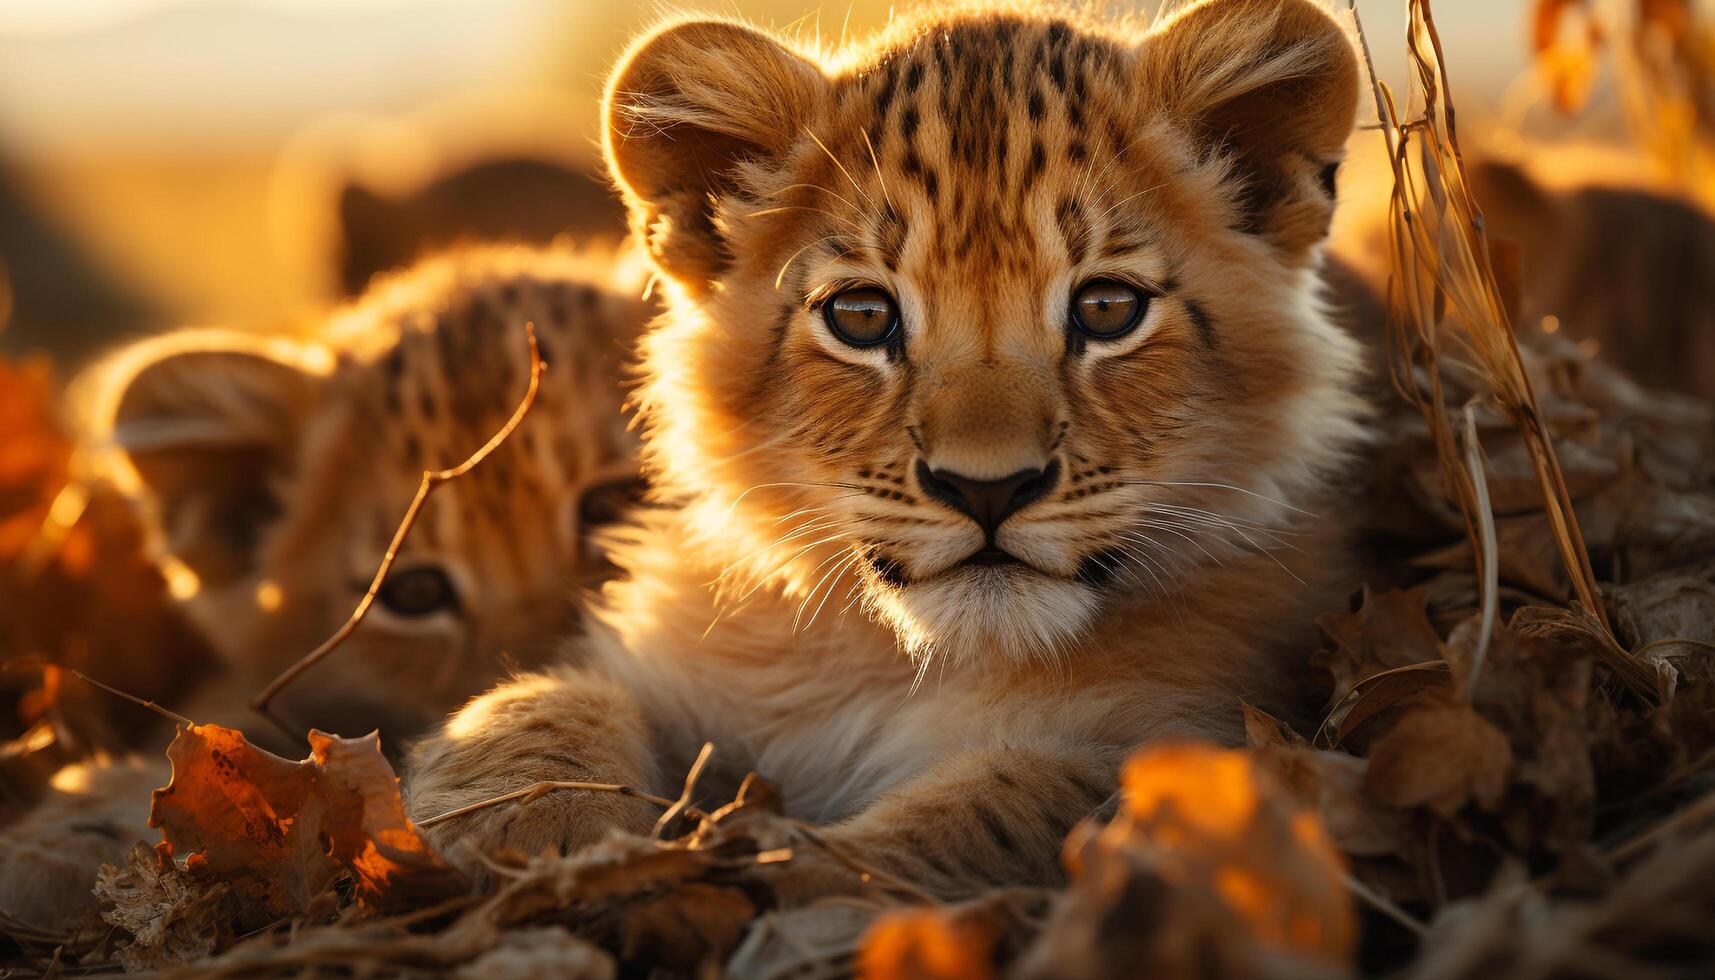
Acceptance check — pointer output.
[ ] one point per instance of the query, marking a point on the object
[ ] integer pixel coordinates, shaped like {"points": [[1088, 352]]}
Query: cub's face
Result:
{"points": [[1009, 319], [277, 473]]}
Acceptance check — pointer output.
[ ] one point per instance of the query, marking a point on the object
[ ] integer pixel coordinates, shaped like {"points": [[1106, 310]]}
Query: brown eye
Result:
{"points": [[862, 317], [1105, 309], [417, 592]]}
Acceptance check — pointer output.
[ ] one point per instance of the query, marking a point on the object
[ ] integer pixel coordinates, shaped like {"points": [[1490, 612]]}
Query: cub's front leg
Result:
{"points": [[562, 724], [977, 820]]}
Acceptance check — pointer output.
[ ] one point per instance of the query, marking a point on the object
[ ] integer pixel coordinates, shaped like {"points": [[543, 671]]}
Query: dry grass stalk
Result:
{"points": [[431, 480], [1445, 303]]}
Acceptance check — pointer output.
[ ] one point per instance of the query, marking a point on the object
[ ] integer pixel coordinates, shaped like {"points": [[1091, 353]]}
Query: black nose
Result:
{"points": [[988, 502]]}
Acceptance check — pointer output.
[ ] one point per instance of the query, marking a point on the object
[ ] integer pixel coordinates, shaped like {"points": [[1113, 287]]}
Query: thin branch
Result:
{"points": [[682, 807], [166, 713], [683, 803], [1381, 903], [1696, 812], [537, 790], [431, 480], [863, 870]]}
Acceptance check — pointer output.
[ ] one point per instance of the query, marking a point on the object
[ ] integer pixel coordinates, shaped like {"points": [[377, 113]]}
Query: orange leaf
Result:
{"points": [[280, 831], [929, 945]]}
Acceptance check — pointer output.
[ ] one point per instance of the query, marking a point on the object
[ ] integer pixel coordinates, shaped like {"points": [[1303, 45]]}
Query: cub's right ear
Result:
{"points": [[686, 110], [210, 422]]}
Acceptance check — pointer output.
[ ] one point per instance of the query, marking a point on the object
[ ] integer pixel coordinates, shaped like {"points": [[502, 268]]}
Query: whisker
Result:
{"points": [[1219, 486], [808, 527], [840, 165], [851, 556], [788, 560], [1166, 594], [1193, 542], [879, 177], [1238, 528], [781, 277], [805, 185], [789, 483]]}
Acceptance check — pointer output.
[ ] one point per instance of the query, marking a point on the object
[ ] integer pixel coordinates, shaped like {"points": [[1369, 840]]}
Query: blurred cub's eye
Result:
{"points": [[862, 317], [417, 592], [607, 503], [1105, 309]]}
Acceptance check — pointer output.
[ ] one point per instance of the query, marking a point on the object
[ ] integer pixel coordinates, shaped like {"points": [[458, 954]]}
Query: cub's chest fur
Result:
{"points": [[836, 713]]}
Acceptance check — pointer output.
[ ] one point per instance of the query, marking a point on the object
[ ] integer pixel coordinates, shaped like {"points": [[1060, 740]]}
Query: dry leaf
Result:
{"points": [[279, 831], [1210, 869], [1329, 782], [818, 939], [1667, 610], [1390, 629], [1441, 755], [76, 584], [967, 940], [170, 915], [930, 945], [544, 953], [697, 924]]}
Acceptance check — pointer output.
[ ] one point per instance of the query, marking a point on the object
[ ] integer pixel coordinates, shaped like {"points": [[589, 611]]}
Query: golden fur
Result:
{"points": [[274, 471], [800, 597]]}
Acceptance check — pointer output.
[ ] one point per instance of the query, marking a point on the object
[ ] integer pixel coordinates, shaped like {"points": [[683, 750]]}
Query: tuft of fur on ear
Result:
{"points": [[210, 421], [685, 108], [1272, 85]]}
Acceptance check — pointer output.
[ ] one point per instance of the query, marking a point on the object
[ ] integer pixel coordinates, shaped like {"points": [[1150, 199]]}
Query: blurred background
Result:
{"points": [[248, 162]]}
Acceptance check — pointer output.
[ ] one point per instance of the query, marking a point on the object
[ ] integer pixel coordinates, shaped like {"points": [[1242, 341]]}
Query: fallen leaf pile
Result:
{"points": [[250, 839], [76, 590]]}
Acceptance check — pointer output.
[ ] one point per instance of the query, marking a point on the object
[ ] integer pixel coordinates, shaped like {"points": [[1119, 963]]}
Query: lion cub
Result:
{"points": [[991, 377], [273, 472]]}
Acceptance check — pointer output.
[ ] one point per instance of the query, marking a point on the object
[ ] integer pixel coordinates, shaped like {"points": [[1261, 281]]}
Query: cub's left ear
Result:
{"points": [[1273, 84], [688, 108]]}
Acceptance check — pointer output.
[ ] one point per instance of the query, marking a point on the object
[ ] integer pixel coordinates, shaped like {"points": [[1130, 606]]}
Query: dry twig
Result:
{"points": [[431, 480], [166, 713], [538, 790]]}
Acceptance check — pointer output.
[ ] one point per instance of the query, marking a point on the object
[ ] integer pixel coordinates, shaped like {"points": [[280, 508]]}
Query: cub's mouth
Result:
{"points": [[990, 557], [892, 571]]}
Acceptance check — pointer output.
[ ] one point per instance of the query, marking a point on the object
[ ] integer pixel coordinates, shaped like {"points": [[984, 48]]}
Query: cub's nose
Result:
{"points": [[988, 502]]}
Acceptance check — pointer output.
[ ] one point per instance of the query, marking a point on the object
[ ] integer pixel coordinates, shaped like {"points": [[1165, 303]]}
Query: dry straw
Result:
{"points": [[1446, 308]]}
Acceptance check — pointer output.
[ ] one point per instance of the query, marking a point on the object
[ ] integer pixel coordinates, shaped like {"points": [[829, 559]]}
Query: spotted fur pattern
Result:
{"points": [[807, 599]]}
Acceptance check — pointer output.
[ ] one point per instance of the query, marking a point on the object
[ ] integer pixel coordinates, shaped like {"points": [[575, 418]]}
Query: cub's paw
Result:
{"points": [[546, 824], [555, 726], [557, 821], [50, 855]]}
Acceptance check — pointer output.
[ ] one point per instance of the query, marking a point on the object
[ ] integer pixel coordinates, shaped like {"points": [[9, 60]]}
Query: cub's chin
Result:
{"points": [[981, 611]]}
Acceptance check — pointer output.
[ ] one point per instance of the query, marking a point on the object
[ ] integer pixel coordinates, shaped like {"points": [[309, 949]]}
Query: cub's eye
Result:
{"points": [[417, 592], [607, 503], [862, 317], [1105, 309]]}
